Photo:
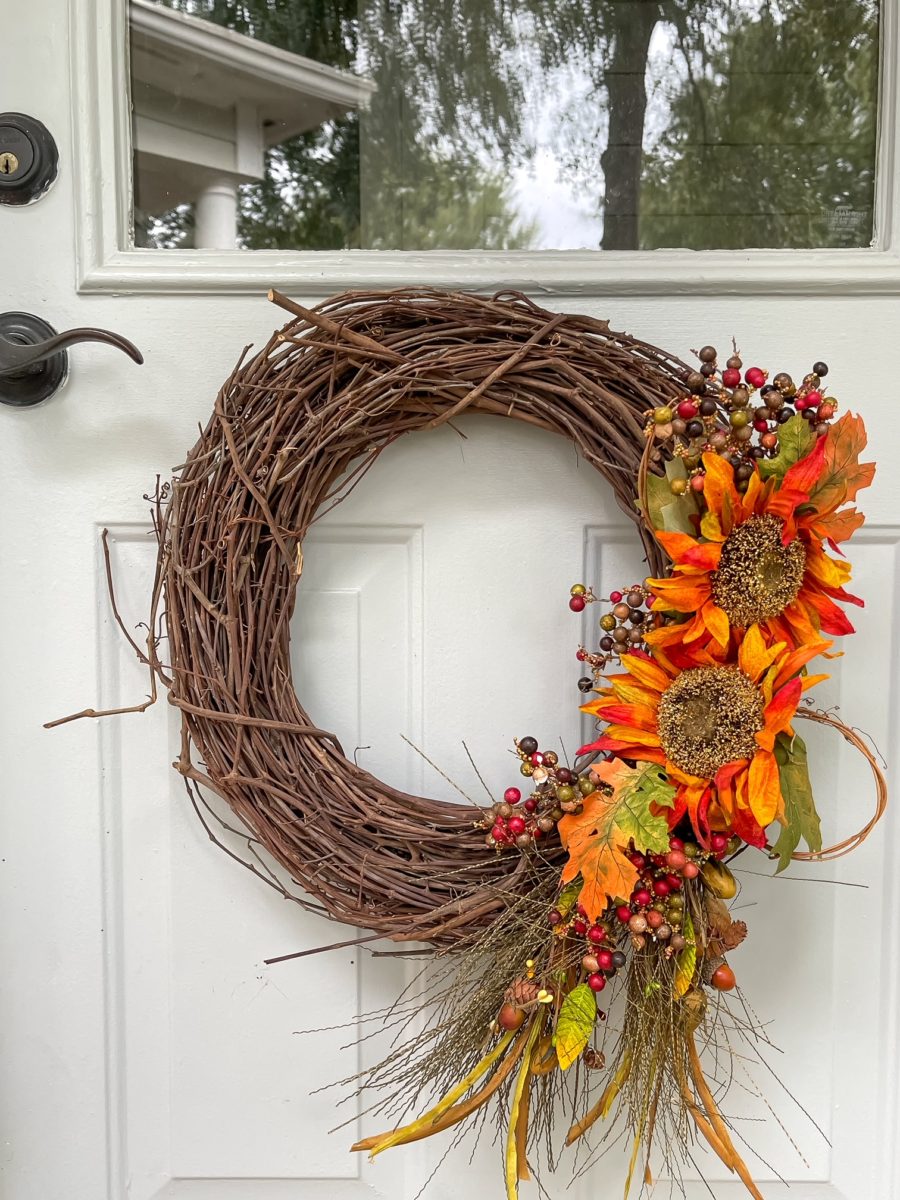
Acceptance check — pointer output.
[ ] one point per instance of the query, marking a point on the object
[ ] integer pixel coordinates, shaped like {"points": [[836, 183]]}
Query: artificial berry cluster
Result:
{"points": [[622, 628], [737, 416], [601, 959], [557, 791], [655, 910]]}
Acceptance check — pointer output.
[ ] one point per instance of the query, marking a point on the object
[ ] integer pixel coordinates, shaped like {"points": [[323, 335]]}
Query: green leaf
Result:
{"points": [[665, 510], [638, 790], [795, 440], [567, 897], [686, 962], [574, 1025], [801, 821]]}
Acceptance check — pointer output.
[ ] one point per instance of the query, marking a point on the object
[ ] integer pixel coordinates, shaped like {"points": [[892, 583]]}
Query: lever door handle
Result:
{"points": [[33, 358]]}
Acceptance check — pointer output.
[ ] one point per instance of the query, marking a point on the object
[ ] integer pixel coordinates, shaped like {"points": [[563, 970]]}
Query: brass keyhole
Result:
{"points": [[9, 164]]}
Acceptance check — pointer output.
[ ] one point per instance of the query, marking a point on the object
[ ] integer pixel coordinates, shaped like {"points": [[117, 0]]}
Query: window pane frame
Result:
{"points": [[107, 262]]}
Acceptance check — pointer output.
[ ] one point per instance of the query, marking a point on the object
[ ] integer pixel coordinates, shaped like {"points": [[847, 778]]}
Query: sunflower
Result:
{"points": [[759, 559], [712, 726]]}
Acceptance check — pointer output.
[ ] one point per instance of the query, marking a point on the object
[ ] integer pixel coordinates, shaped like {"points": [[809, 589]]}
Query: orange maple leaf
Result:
{"points": [[842, 473], [592, 841]]}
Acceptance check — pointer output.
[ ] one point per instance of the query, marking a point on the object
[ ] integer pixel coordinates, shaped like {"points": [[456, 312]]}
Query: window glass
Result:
{"points": [[504, 124]]}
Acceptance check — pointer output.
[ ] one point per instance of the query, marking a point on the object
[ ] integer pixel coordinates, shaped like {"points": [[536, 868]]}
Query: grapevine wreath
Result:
{"points": [[611, 873]]}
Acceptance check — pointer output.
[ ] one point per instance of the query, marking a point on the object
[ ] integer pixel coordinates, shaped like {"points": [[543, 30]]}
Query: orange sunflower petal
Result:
{"points": [[721, 496], [798, 658], [715, 620], [680, 593], [779, 711], [765, 788], [754, 656], [646, 671]]}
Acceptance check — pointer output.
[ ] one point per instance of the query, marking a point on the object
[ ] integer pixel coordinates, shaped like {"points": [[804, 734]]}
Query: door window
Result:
{"points": [[504, 124]]}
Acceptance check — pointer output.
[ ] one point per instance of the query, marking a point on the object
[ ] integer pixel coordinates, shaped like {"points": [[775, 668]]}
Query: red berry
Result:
{"points": [[642, 897], [596, 982], [516, 825], [605, 959], [537, 758], [638, 860], [813, 399], [576, 603], [675, 843], [596, 935], [755, 377], [660, 887], [697, 481], [761, 426], [580, 655], [718, 843], [731, 377], [801, 403], [623, 912], [554, 916], [499, 834], [655, 919], [581, 910], [687, 410], [530, 805], [512, 795], [579, 927], [615, 597], [722, 978], [674, 883], [649, 599], [691, 870], [676, 859]]}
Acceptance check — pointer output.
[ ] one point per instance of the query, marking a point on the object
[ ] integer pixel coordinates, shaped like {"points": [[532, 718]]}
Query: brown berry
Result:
{"points": [[510, 1017]]}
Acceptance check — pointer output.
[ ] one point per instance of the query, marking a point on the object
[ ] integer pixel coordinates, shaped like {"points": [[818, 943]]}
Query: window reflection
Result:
{"points": [[504, 124]]}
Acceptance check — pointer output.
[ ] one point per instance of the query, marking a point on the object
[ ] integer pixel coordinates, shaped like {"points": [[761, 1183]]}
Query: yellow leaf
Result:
{"points": [[574, 1025], [686, 962]]}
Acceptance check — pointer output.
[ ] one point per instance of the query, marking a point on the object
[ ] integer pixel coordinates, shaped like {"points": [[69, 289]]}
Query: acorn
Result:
{"points": [[719, 880]]}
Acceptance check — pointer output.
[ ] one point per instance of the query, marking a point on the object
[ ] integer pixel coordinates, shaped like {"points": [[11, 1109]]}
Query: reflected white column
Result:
{"points": [[215, 215]]}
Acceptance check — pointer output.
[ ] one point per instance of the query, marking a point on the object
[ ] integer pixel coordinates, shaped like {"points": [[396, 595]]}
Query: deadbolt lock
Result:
{"points": [[28, 158]]}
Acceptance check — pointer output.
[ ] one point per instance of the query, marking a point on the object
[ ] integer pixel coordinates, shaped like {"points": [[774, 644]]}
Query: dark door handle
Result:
{"points": [[33, 358]]}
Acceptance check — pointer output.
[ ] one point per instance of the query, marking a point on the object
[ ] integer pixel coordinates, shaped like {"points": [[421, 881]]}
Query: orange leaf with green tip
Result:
{"points": [[596, 838]]}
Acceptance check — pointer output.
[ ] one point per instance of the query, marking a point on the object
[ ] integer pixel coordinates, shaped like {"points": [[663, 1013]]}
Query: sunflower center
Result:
{"points": [[708, 717], [758, 576]]}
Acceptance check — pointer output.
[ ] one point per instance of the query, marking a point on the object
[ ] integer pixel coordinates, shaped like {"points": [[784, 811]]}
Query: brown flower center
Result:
{"points": [[758, 576], [708, 717]]}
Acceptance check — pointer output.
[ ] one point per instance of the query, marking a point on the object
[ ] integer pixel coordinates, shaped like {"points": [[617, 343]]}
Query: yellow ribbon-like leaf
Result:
{"points": [[686, 962], [574, 1025]]}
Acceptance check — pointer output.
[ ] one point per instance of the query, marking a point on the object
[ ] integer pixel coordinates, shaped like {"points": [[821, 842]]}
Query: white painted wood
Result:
{"points": [[106, 264], [146, 1051]]}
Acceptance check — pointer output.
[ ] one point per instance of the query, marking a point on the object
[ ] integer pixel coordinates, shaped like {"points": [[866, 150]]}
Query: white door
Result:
{"points": [[147, 1050]]}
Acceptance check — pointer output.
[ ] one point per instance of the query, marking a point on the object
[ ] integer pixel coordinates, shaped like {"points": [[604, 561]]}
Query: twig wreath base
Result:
{"points": [[294, 428]]}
